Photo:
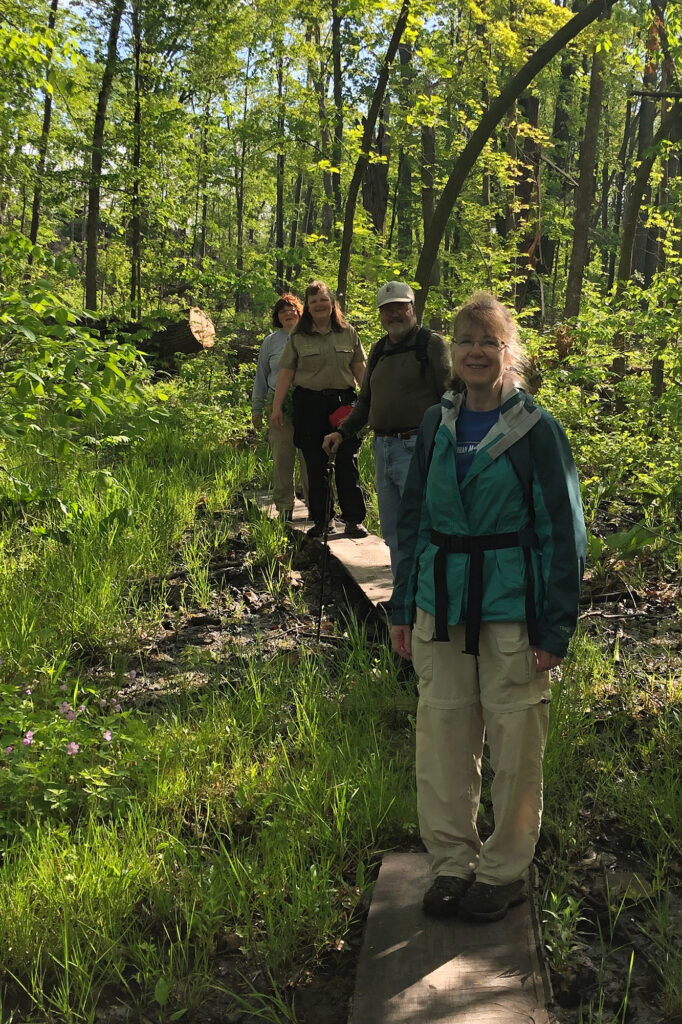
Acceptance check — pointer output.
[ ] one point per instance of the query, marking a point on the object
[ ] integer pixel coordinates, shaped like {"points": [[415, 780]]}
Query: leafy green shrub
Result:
{"points": [[60, 384]]}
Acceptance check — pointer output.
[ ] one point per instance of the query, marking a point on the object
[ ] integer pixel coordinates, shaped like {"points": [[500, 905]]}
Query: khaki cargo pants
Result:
{"points": [[463, 699], [284, 467]]}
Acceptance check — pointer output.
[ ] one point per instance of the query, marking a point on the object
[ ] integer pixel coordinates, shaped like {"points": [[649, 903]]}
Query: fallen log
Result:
{"points": [[194, 333], [189, 332]]}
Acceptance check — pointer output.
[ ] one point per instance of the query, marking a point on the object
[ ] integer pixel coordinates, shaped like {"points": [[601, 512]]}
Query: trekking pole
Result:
{"points": [[325, 539]]}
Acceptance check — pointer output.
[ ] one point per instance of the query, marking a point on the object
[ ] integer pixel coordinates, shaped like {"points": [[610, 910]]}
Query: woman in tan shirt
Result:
{"points": [[322, 359]]}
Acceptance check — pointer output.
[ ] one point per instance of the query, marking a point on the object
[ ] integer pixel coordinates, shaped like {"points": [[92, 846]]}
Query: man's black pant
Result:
{"points": [[311, 422]]}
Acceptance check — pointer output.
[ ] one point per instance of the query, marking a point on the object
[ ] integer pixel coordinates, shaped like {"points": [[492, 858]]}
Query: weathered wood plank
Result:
{"points": [[419, 970], [367, 560]]}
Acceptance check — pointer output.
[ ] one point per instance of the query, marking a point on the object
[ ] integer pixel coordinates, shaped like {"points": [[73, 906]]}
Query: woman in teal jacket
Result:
{"points": [[491, 554]]}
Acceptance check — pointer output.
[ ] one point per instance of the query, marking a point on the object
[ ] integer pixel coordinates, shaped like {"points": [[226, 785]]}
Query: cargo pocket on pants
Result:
{"points": [[514, 652], [507, 675]]}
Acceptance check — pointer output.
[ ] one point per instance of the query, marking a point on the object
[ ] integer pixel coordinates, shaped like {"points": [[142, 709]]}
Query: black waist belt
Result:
{"points": [[452, 543], [401, 434], [341, 392]]}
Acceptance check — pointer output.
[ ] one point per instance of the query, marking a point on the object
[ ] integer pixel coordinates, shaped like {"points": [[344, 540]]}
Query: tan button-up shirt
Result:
{"points": [[323, 361]]}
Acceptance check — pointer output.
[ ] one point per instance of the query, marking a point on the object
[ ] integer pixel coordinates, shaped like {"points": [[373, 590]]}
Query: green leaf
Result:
{"points": [[162, 991]]}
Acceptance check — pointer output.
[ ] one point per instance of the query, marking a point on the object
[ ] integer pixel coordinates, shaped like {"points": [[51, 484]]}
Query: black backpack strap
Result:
{"points": [[420, 349], [374, 357], [421, 345]]}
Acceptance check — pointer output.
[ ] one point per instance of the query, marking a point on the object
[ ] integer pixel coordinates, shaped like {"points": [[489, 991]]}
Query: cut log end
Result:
{"points": [[202, 327]]}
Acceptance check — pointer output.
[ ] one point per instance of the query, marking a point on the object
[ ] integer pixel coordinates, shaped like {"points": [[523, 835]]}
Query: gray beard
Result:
{"points": [[398, 332]]}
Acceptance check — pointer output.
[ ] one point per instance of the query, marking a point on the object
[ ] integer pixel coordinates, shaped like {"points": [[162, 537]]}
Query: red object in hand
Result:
{"points": [[339, 415]]}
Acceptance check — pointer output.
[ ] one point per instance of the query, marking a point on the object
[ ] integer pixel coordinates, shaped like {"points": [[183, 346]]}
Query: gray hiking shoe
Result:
{"points": [[485, 902]]}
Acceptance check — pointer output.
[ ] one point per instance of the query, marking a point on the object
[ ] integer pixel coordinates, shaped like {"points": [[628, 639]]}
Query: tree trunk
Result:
{"points": [[584, 194], [670, 128], [561, 131], [239, 303], [310, 211], [641, 259], [403, 203], [337, 89], [42, 144], [201, 255], [363, 156], [375, 181], [670, 165], [92, 226], [135, 232], [279, 206], [293, 234], [319, 86], [620, 189], [528, 199], [489, 121], [428, 170]]}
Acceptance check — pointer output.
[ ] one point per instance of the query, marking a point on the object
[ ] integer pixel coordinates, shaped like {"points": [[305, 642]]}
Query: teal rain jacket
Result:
{"points": [[491, 500]]}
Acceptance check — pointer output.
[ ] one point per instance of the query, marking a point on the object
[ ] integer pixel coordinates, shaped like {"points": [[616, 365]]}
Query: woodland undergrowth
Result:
{"points": [[214, 844]]}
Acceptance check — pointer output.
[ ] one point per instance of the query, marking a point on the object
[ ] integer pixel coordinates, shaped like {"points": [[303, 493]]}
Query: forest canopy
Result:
{"points": [[192, 153]]}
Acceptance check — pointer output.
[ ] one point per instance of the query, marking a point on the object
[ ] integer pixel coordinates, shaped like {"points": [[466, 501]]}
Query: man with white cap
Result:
{"points": [[407, 371]]}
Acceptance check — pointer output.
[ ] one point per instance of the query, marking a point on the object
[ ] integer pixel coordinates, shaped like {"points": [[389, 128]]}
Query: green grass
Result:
{"points": [[272, 794]]}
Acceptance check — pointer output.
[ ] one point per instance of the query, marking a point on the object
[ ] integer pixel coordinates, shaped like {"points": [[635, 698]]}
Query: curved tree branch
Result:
{"points": [[489, 121], [363, 157]]}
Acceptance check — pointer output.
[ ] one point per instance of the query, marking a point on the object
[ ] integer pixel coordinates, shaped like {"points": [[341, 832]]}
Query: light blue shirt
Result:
{"points": [[267, 369]]}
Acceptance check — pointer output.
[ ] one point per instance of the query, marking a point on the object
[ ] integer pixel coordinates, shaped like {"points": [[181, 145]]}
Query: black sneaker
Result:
{"points": [[442, 899], [485, 902], [318, 529], [355, 530]]}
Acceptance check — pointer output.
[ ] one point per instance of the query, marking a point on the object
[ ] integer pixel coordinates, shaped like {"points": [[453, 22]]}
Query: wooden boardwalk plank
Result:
{"points": [[414, 969], [367, 561]]}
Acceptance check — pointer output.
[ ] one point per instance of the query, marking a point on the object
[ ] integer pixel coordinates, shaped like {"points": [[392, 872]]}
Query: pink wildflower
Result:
{"points": [[107, 735], [8, 750], [63, 687], [28, 739], [72, 749], [29, 691]]}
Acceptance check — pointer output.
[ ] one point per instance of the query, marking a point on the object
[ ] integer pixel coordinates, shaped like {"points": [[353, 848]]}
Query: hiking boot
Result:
{"points": [[355, 530], [485, 902], [442, 899], [318, 529]]}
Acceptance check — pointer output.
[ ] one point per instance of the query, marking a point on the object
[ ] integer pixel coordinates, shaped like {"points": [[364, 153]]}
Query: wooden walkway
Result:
{"points": [[415, 969], [367, 561]]}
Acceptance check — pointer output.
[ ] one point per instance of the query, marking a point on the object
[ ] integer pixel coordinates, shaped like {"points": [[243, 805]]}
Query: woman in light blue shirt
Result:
{"points": [[285, 316]]}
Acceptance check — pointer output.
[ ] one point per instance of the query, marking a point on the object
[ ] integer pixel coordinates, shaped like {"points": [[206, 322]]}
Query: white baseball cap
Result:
{"points": [[395, 291]]}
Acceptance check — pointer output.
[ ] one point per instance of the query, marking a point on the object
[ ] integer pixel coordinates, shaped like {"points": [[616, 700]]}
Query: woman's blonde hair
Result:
{"points": [[483, 309]]}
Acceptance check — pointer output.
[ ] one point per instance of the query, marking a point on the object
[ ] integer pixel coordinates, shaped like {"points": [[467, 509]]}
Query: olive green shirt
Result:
{"points": [[322, 361]]}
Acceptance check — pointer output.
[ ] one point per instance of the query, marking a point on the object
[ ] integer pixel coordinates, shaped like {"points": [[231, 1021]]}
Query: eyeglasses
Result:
{"points": [[489, 345], [395, 307]]}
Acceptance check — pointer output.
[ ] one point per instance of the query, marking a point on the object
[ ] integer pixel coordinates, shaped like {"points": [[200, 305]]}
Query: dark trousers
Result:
{"points": [[311, 422], [347, 477]]}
